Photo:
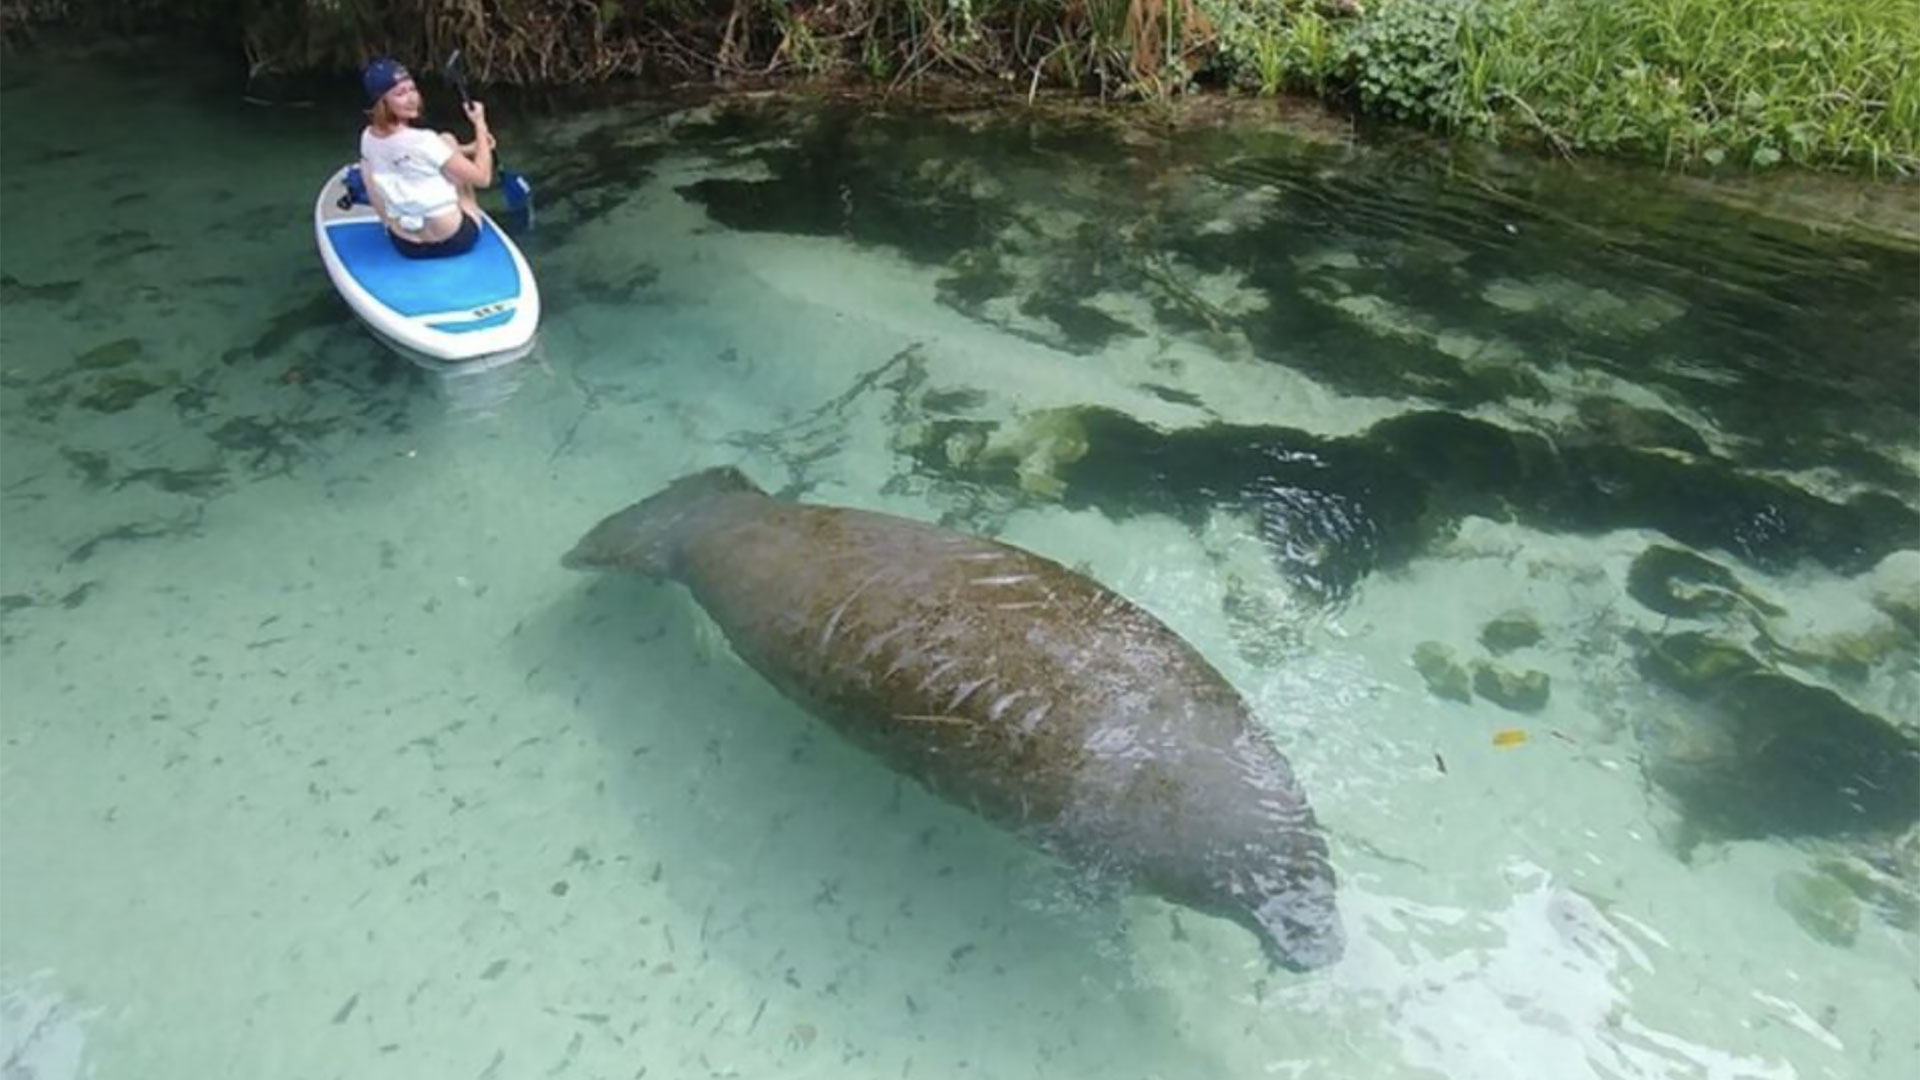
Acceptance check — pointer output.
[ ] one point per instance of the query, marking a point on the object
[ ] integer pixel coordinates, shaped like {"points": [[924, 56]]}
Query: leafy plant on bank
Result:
{"points": [[1815, 82], [1403, 61], [1824, 83]]}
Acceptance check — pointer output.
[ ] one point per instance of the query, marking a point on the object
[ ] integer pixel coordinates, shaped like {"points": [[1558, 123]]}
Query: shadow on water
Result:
{"points": [[1748, 320], [1337, 509], [820, 879], [834, 174], [1374, 273]]}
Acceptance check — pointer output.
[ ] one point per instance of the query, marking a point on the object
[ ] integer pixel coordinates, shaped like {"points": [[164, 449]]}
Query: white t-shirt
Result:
{"points": [[406, 166]]}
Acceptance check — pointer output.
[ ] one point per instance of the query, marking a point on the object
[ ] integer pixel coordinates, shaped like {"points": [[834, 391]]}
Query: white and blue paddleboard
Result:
{"points": [[475, 310]]}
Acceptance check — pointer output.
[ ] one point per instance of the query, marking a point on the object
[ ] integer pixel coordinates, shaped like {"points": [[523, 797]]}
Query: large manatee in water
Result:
{"points": [[1006, 683]]}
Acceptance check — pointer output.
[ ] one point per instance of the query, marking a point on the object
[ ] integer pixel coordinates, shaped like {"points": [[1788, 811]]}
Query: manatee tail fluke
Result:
{"points": [[642, 537]]}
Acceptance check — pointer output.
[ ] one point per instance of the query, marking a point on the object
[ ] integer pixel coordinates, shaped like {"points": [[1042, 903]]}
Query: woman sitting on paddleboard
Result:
{"points": [[420, 182]]}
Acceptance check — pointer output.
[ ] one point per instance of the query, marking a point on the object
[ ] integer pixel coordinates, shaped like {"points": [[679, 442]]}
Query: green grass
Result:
{"points": [[1814, 82], [1818, 83]]}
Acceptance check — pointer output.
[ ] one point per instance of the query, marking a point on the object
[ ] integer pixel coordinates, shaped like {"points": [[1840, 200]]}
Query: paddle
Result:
{"points": [[519, 193]]}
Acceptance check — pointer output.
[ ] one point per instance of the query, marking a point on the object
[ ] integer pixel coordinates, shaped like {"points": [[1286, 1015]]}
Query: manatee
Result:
{"points": [[1008, 684]]}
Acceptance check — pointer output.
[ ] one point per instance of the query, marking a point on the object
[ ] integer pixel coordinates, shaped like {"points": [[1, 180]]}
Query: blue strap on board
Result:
{"points": [[519, 195]]}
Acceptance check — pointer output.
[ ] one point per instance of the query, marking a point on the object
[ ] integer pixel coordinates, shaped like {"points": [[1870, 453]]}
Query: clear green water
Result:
{"points": [[315, 763]]}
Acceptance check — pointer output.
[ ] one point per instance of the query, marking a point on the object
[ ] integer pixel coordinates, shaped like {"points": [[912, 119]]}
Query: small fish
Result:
{"points": [[1509, 737]]}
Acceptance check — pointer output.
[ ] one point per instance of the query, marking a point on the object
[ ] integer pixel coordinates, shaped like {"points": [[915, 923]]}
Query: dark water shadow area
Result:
{"points": [[1373, 270]]}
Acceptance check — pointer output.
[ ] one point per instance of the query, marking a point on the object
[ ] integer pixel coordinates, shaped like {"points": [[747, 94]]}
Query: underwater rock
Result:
{"points": [[963, 446], [1472, 466], [1706, 504], [1850, 655], [1683, 584], [1822, 906], [1897, 901], [1445, 677], [1469, 466], [113, 354], [1695, 664], [1513, 630], [1777, 757], [1041, 445], [1523, 691], [1609, 420], [1028, 454], [1894, 587], [118, 393], [947, 445]]}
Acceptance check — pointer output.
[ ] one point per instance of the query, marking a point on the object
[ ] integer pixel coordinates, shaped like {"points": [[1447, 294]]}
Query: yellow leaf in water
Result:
{"points": [[1509, 737]]}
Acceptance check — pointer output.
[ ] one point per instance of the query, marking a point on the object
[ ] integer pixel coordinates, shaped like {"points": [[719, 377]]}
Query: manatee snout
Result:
{"points": [[1285, 897], [1281, 890], [1299, 927]]}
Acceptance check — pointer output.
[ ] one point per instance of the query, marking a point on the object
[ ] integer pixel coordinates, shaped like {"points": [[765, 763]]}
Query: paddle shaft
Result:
{"points": [[459, 80]]}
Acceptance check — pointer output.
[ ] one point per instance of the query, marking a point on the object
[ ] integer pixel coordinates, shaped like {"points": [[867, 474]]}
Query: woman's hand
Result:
{"points": [[474, 164]]}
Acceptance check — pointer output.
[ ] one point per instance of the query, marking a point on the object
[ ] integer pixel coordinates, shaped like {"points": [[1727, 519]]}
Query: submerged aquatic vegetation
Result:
{"points": [[1822, 905], [1774, 755], [1334, 510]]}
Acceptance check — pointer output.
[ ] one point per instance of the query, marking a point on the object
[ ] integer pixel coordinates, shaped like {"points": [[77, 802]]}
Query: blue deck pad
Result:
{"points": [[484, 275]]}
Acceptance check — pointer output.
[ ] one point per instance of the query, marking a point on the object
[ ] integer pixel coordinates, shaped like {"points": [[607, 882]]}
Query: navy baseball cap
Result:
{"points": [[381, 76]]}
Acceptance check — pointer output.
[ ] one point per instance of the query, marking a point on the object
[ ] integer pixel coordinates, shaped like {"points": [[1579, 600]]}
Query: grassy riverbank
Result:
{"points": [[1827, 84], [1819, 83]]}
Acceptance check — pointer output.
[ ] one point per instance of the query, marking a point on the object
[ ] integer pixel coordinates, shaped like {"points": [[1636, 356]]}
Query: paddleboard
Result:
{"points": [[475, 310]]}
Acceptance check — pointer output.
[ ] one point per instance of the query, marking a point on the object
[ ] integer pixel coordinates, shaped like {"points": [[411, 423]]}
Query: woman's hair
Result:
{"points": [[382, 115]]}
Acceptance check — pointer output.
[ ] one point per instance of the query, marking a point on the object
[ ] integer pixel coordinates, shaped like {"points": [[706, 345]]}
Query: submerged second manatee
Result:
{"points": [[1008, 684]]}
